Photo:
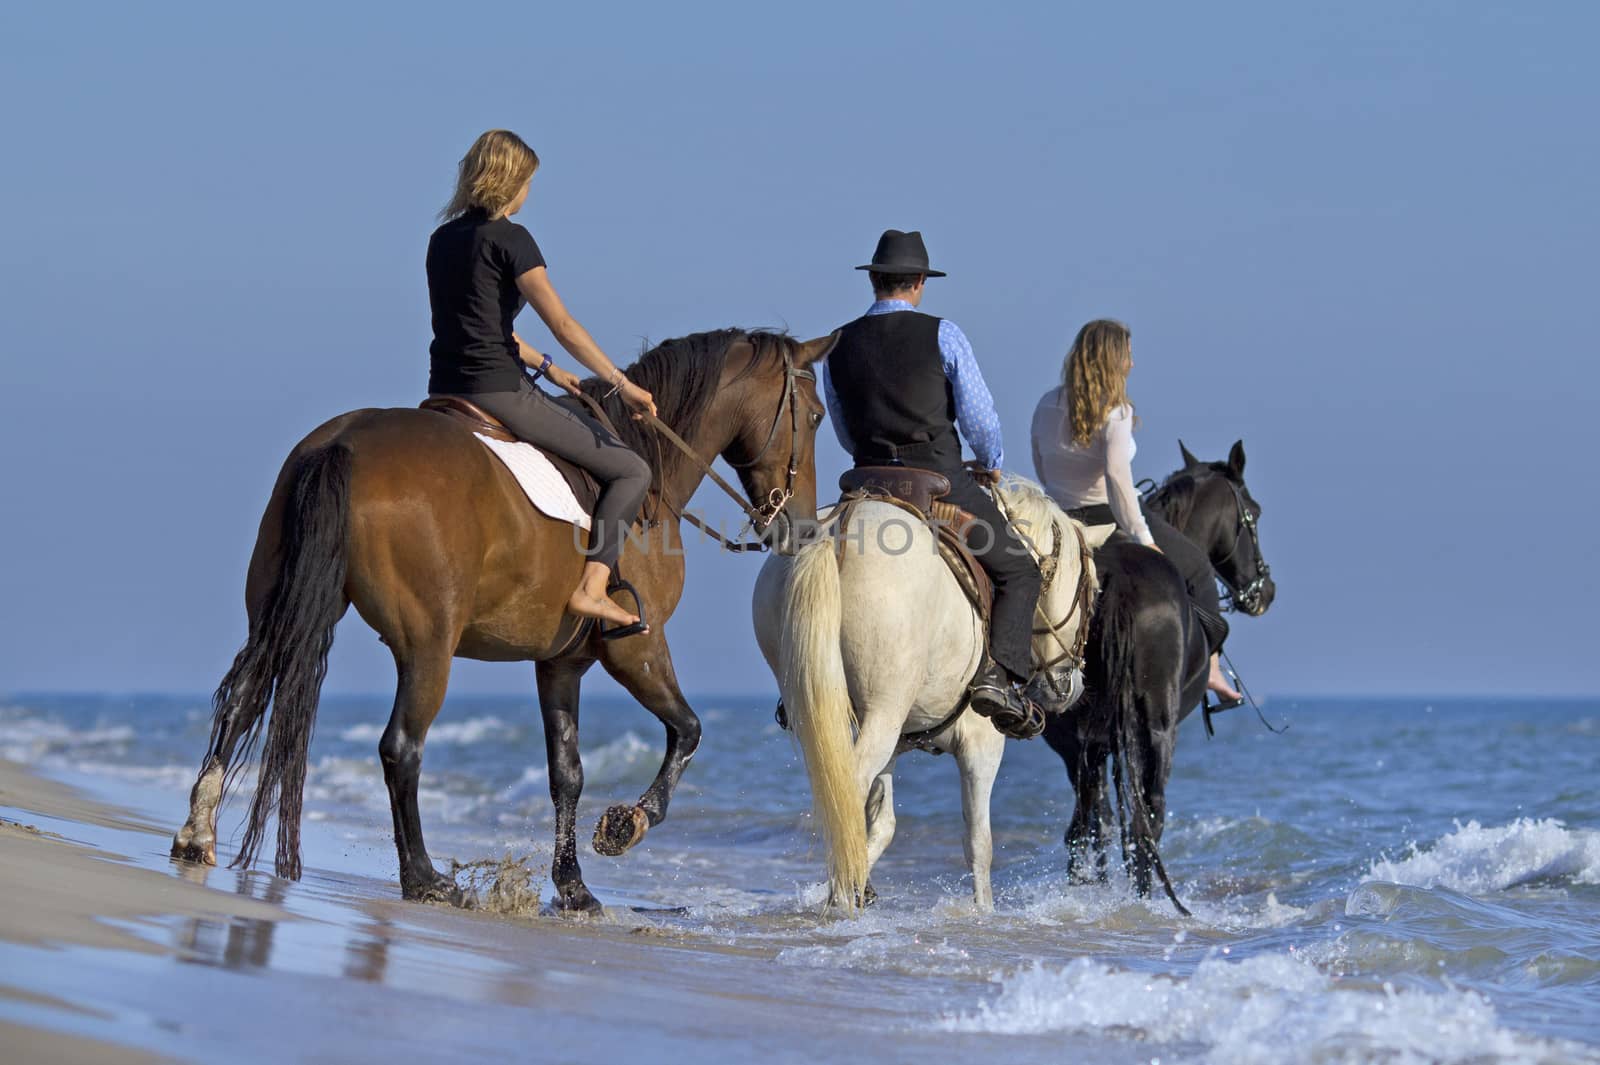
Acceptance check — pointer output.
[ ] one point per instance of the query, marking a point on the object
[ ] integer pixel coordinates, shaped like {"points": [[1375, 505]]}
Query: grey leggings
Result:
{"points": [[624, 477]]}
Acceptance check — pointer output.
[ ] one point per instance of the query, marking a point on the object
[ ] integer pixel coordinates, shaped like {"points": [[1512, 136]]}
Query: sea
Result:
{"points": [[1385, 880]]}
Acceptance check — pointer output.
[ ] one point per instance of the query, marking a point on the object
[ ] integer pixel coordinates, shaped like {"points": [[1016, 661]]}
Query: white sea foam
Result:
{"points": [[31, 739], [904, 952], [1476, 860], [472, 730], [616, 760], [1269, 1009]]}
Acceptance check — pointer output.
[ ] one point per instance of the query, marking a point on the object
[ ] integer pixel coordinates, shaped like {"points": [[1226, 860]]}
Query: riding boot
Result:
{"points": [[995, 697]]}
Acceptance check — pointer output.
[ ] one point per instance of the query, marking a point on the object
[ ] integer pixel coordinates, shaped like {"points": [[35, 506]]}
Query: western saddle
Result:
{"points": [[921, 493]]}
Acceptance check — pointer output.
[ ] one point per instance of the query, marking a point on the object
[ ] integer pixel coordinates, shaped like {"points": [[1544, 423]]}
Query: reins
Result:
{"points": [[1249, 596], [1048, 566], [1073, 652], [760, 516]]}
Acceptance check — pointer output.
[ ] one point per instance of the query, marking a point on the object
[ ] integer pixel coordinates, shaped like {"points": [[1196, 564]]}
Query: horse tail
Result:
{"points": [[1127, 750], [285, 657], [817, 700]]}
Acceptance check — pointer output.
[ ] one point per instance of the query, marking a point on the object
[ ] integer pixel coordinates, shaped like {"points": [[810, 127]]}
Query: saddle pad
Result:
{"points": [[543, 484]]}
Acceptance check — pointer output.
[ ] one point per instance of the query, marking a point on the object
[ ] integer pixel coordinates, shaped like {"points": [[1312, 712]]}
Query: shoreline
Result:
{"points": [[111, 952]]}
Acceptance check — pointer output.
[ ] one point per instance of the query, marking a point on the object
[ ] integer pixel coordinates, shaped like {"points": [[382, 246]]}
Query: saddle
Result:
{"points": [[922, 492], [583, 486]]}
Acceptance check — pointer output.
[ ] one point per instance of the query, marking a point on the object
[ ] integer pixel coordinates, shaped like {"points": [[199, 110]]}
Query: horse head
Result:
{"points": [[772, 412], [1210, 503]]}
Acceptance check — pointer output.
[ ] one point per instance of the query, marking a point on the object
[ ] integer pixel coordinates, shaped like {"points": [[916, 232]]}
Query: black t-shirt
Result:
{"points": [[473, 265]]}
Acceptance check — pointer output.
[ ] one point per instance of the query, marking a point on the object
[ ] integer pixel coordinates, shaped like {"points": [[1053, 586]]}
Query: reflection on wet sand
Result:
{"points": [[238, 942], [247, 942]]}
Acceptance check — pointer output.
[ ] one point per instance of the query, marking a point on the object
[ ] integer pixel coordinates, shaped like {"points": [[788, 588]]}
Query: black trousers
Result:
{"points": [[624, 477], [1186, 557], [1012, 569]]}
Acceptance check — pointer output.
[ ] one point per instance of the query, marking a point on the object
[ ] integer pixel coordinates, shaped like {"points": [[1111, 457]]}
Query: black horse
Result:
{"points": [[1147, 662]]}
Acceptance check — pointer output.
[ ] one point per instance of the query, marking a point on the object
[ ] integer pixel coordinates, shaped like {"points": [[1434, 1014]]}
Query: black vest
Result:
{"points": [[896, 403]]}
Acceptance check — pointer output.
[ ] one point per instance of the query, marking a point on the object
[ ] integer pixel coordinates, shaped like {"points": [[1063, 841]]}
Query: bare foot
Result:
{"points": [[586, 605], [1219, 683]]}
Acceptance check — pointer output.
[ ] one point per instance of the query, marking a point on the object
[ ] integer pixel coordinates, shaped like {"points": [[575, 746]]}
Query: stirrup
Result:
{"points": [[1012, 713], [1207, 707], [618, 632]]}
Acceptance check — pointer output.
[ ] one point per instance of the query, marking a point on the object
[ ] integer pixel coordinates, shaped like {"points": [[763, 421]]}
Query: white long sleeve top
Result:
{"points": [[1102, 472]]}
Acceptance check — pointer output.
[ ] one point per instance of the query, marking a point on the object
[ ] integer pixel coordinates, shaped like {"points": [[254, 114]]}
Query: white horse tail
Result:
{"points": [[817, 701]]}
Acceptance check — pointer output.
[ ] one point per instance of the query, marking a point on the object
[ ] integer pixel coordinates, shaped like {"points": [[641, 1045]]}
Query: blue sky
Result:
{"points": [[1360, 237]]}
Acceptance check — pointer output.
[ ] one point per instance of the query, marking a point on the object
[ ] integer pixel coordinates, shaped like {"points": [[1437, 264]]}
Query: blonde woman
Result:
{"points": [[481, 267], [1083, 455]]}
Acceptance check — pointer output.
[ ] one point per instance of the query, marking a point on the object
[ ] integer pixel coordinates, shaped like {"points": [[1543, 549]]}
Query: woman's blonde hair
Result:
{"points": [[494, 170], [1095, 376]]}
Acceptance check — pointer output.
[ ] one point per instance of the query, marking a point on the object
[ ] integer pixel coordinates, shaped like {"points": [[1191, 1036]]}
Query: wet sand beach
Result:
{"points": [[111, 952]]}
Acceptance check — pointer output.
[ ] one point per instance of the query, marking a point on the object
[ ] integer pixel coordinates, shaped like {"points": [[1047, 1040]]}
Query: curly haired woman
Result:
{"points": [[1083, 455]]}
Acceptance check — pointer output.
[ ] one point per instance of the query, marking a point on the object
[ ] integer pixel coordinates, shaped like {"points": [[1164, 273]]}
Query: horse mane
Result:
{"points": [[1031, 507], [684, 376], [1175, 498]]}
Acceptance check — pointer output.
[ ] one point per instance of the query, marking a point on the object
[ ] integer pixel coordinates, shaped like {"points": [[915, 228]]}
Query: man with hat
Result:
{"points": [[898, 383]]}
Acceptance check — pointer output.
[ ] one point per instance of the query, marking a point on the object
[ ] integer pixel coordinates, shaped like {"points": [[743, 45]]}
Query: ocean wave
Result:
{"points": [[910, 953], [620, 759], [1475, 860], [29, 738], [464, 733], [1268, 1009]]}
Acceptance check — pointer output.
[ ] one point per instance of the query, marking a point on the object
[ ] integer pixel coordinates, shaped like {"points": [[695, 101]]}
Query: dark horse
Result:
{"points": [[408, 517], [1147, 662]]}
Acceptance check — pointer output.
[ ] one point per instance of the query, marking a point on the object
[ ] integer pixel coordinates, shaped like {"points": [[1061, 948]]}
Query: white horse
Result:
{"points": [[872, 640]]}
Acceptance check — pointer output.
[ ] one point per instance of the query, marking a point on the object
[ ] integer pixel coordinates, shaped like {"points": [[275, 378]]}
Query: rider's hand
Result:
{"points": [[637, 398], [983, 475], [563, 379]]}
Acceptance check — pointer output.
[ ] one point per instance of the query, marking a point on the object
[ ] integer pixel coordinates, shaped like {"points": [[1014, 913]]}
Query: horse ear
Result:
{"points": [[1236, 459], [1095, 535], [816, 350], [1189, 461]]}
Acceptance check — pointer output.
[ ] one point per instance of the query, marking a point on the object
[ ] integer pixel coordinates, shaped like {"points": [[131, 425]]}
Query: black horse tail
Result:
{"points": [[1129, 737], [285, 657]]}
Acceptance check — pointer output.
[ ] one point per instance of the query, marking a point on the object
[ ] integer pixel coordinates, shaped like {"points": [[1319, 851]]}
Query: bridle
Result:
{"points": [[761, 515], [1049, 566], [1071, 653], [777, 499], [1248, 598]]}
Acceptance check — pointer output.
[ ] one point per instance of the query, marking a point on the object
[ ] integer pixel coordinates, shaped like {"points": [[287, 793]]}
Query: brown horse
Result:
{"points": [[408, 517]]}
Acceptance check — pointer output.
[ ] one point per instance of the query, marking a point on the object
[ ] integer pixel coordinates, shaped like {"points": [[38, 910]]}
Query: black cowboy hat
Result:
{"points": [[901, 253]]}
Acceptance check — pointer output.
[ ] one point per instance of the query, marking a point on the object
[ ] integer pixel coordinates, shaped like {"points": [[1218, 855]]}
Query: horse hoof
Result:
{"points": [[619, 829], [188, 846], [869, 897], [577, 902], [441, 889]]}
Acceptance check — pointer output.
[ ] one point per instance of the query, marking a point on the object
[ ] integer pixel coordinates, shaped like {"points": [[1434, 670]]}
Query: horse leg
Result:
{"points": [[196, 841], [651, 680], [880, 822], [978, 750], [1086, 835], [874, 752], [880, 815], [1158, 716], [559, 683], [244, 704], [424, 674]]}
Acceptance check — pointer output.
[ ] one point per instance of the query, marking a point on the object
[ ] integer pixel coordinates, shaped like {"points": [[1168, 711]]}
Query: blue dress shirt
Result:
{"points": [[975, 413]]}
